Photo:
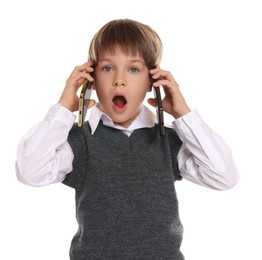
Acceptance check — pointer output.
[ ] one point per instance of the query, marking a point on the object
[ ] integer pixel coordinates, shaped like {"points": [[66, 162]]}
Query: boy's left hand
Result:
{"points": [[173, 102]]}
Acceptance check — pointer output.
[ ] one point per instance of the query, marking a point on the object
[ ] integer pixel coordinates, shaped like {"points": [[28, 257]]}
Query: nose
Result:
{"points": [[119, 80]]}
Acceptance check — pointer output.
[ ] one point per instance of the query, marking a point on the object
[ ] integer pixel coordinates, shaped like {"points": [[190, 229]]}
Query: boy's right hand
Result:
{"points": [[69, 98]]}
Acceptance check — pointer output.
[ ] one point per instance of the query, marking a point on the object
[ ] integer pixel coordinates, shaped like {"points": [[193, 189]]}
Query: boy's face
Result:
{"points": [[121, 83]]}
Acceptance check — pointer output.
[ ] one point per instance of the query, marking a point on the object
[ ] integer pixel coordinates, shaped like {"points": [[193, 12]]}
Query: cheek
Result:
{"points": [[140, 94], [98, 87], [149, 83], [100, 92], [144, 86]]}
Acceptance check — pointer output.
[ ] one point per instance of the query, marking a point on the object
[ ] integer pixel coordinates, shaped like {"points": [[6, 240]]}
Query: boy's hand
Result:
{"points": [[173, 102], [69, 98]]}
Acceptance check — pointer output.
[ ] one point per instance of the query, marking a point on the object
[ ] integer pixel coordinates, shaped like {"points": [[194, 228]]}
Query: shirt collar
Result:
{"points": [[146, 118]]}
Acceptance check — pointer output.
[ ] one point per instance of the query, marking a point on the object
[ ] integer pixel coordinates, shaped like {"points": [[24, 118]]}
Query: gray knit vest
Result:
{"points": [[126, 203]]}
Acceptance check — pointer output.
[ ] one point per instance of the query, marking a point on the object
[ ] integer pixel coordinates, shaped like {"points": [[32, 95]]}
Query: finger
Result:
{"points": [[155, 69], [163, 75], [84, 68], [166, 83], [162, 82], [79, 79]]}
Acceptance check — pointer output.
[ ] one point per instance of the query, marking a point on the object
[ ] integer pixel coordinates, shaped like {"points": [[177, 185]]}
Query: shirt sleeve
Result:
{"points": [[204, 157], [43, 155]]}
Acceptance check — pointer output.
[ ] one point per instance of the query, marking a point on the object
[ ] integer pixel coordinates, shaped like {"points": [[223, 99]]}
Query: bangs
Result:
{"points": [[131, 37], [120, 35]]}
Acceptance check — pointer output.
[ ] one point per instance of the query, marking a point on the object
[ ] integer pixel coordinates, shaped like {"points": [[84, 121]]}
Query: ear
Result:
{"points": [[94, 82], [94, 85], [151, 80], [150, 83]]}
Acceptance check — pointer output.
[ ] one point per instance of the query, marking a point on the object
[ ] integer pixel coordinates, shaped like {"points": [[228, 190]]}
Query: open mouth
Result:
{"points": [[119, 101]]}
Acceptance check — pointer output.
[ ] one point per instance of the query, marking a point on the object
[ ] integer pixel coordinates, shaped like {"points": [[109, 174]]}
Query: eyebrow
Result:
{"points": [[131, 61], [140, 61]]}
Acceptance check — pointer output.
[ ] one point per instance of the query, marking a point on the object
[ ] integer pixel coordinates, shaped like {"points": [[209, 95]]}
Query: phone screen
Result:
{"points": [[159, 110], [85, 94]]}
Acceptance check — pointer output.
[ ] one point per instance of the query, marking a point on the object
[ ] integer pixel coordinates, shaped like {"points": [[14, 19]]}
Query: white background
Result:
{"points": [[213, 49]]}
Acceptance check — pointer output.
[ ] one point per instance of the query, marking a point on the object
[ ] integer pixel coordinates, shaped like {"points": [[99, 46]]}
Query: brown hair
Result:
{"points": [[132, 37]]}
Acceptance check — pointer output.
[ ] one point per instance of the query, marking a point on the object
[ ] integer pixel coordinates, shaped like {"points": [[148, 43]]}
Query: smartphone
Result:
{"points": [[159, 110], [85, 94]]}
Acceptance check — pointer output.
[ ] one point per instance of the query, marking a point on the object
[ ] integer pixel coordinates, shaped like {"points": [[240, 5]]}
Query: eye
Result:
{"points": [[133, 70], [107, 68]]}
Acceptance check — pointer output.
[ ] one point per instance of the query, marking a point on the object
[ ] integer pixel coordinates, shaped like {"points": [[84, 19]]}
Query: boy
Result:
{"points": [[123, 171]]}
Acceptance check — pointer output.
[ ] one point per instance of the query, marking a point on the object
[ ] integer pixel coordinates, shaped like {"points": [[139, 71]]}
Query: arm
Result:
{"points": [[44, 155], [204, 157]]}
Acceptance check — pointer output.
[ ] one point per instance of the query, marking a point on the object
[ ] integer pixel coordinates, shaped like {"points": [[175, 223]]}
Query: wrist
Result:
{"points": [[181, 112], [67, 105]]}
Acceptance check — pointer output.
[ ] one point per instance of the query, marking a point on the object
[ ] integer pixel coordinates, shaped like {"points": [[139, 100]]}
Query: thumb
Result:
{"points": [[152, 102], [90, 102]]}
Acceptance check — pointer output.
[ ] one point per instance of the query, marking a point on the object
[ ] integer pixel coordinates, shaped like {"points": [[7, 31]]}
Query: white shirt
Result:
{"points": [[44, 155]]}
